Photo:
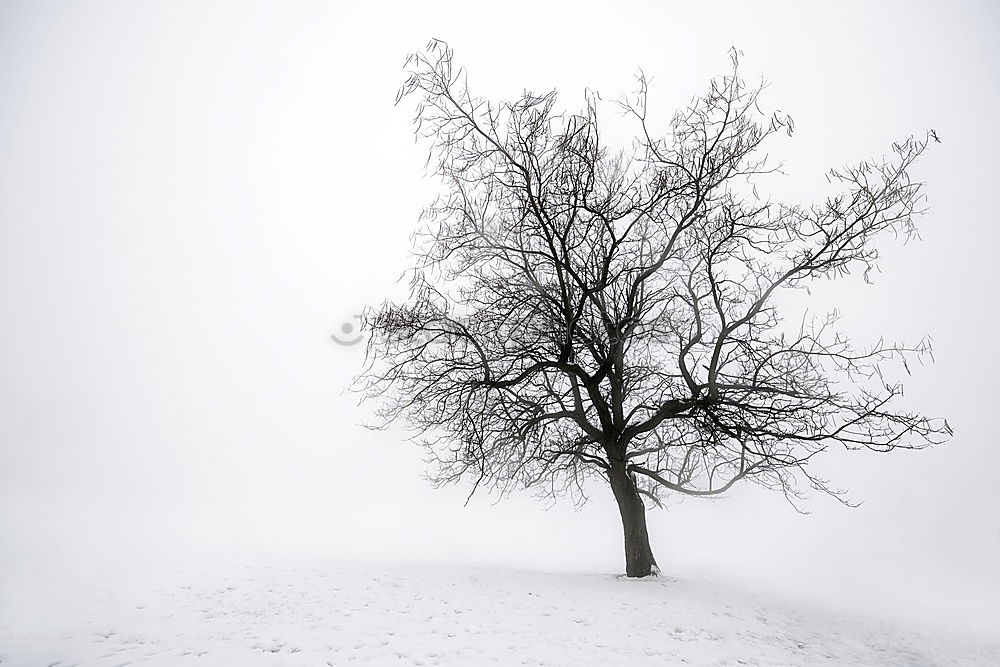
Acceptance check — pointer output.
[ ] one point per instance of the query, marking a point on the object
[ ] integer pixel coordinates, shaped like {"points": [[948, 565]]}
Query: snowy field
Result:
{"points": [[321, 612]]}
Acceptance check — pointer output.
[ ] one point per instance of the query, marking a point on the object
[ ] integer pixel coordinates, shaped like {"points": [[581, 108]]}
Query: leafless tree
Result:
{"points": [[581, 312]]}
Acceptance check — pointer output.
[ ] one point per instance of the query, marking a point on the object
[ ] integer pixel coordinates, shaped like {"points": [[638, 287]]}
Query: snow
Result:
{"points": [[315, 611]]}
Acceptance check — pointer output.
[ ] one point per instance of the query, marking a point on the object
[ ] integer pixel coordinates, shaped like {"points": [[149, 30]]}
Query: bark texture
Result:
{"points": [[639, 560]]}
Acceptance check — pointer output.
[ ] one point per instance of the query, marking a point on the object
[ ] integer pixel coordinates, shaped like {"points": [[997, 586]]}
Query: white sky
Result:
{"points": [[194, 196]]}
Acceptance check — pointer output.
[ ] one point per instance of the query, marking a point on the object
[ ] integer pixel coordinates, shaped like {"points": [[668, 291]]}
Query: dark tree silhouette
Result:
{"points": [[579, 312]]}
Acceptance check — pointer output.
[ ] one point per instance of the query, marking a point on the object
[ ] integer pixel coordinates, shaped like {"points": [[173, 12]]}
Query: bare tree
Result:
{"points": [[579, 312]]}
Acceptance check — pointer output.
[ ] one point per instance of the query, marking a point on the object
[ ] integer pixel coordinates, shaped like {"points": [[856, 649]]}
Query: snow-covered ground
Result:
{"points": [[316, 611]]}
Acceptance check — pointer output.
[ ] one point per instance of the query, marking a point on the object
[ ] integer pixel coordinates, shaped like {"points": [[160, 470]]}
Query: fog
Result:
{"points": [[195, 196]]}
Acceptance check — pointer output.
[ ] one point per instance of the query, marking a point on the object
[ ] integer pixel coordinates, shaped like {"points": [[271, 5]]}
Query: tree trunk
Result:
{"points": [[639, 561]]}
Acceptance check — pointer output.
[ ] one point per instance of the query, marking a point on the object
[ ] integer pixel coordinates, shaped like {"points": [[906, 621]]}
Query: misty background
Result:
{"points": [[195, 196]]}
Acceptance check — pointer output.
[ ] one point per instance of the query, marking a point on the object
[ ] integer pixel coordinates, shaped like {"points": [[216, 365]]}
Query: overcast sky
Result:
{"points": [[194, 196]]}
